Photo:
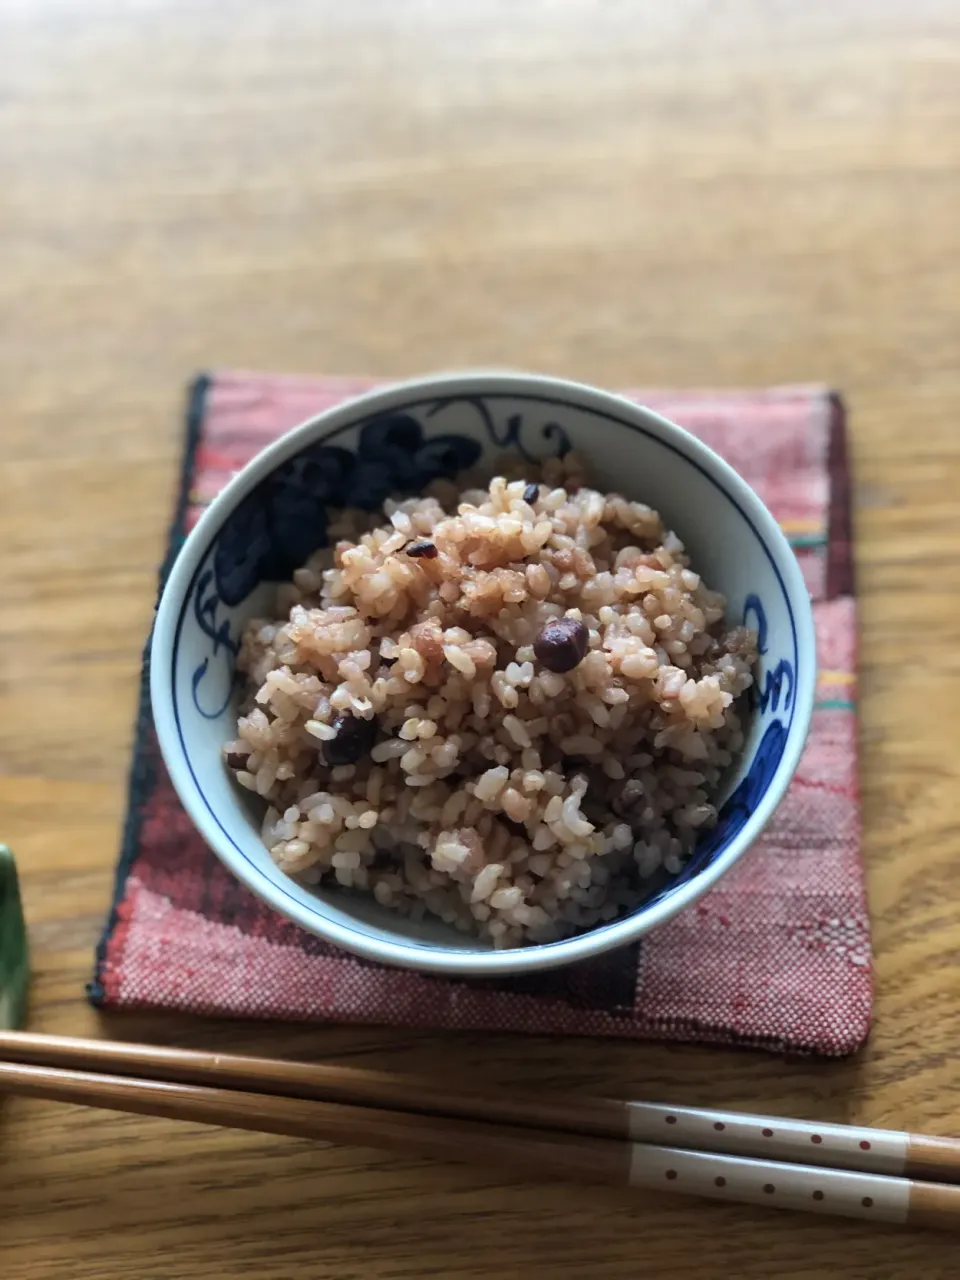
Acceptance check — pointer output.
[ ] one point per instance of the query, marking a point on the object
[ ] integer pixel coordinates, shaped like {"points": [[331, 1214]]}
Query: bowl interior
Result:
{"points": [[356, 456]]}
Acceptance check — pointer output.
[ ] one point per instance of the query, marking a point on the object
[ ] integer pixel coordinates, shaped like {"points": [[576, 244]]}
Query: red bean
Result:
{"points": [[354, 739], [562, 644]]}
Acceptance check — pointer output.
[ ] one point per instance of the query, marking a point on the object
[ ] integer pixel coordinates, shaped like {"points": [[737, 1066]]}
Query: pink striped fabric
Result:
{"points": [[776, 956]]}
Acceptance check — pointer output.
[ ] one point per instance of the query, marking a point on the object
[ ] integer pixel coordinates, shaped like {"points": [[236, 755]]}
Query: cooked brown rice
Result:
{"points": [[410, 743]]}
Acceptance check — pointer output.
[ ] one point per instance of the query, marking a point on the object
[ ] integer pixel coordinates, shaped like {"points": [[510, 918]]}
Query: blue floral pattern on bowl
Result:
{"points": [[284, 520]]}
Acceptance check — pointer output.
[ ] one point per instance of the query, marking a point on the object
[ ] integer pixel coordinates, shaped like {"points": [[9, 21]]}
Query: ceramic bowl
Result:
{"points": [[274, 513]]}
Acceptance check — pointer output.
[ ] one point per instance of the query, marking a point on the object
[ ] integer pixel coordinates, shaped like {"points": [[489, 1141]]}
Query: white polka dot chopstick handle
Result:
{"points": [[809, 1188], [773, 1184], [837, 1146]]}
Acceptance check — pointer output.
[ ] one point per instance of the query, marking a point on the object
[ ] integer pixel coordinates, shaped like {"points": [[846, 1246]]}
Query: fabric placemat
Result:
{"points": [[777, 956]]}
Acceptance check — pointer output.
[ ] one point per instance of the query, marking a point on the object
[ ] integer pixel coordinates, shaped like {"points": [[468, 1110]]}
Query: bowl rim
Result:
{"points": [[431, 957]]}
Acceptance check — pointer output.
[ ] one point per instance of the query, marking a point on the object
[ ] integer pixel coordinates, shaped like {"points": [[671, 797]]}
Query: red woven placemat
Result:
{"points": [[776, 956]]}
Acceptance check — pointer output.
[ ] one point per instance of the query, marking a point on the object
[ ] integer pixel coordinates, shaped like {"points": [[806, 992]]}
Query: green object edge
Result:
{"points": [[14, 955]]}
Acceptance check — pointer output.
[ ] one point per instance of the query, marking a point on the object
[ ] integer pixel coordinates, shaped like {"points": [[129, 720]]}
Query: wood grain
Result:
{"points": [[678, 194]]}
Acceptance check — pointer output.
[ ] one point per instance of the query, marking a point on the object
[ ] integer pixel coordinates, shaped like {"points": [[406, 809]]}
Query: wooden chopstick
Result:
{"points": [[534, 1152], [541, 1152], [528, 1150], [883, 1151]]}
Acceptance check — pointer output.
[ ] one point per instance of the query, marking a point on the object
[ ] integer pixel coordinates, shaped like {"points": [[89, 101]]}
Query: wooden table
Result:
{"points": [[681, 193]]}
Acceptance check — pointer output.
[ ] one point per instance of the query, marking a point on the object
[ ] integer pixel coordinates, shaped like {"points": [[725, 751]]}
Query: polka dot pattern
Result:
{"points": [[814, 1188]]}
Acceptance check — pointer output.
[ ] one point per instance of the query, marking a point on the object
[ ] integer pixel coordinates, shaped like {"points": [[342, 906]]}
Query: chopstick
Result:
{"points": [[884, 1151], [591, 1140], [526, 1151], [529, 1150]]}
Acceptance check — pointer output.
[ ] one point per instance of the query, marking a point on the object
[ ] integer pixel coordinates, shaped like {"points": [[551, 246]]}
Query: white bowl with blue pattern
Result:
{"points": [[273, 514]]}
